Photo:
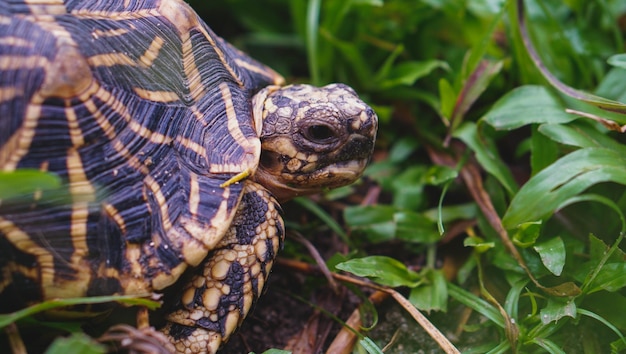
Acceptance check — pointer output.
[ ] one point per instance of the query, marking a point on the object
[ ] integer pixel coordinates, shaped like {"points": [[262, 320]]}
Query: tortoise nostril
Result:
{"points": [[320, 133]]}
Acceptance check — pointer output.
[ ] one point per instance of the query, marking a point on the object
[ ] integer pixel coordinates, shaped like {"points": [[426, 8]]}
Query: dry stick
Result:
{"points": [[15, 340]]}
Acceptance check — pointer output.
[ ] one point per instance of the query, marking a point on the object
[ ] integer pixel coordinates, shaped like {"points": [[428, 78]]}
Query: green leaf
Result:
{"points": [[570, 175], [618, 60], [432, 295], [406, 73], [612, 277], [384, 222], [552, 253], [580, 134], [323, 215], [370, 346], [374, 220], [276, 351], [548, 345], [381, 269], [487, 155], [543, 151], [526, 105], [26, 181], [447, 98], [527, 233], [6, 319], [414, 227], [555, 310], [478, 243], [477, 304], [77, 343], [438, 175]]}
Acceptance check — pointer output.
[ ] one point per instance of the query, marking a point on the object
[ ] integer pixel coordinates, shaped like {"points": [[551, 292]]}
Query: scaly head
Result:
{"points": [[312, 138]]}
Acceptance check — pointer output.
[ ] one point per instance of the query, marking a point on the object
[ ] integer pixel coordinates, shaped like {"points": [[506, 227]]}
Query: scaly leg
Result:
{"points": [[222, 290]]}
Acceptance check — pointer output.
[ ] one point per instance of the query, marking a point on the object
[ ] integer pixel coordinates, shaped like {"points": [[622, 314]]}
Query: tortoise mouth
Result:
{"points": [[285, 185]]}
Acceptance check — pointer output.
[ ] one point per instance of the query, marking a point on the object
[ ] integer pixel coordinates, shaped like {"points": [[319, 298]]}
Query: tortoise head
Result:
{"points": [[312, 138]]}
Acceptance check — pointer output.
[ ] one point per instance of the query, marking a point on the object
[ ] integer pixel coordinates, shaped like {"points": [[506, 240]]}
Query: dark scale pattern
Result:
{"points": [[178, 331], [256, 211], [234, 280]]}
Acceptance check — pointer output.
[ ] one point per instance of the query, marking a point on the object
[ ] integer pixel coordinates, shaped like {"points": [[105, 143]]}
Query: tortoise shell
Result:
{"points": [[156, 126]]}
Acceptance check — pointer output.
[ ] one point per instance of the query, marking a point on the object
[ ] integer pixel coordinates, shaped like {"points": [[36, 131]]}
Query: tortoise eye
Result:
{"points": [[320, 133]]}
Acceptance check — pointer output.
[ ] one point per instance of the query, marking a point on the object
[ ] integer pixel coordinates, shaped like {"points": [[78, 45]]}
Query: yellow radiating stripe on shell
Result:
{"points": [[110, 59], [22, 241], [13, 62], [46, 7], [194, 195], [155, 188], [114, 15], [157, 96], [275, 77], [97, 33], [114, 214], [194, 80], [16, 41], [148, 57], [19, 143], [9, 93], [252, 146]]}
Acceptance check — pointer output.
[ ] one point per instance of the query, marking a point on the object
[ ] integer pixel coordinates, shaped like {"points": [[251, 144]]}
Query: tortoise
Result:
{"points": [[175, 149]]}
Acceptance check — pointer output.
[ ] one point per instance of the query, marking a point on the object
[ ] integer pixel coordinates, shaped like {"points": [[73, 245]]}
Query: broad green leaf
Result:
{"points": [[77, 343], [415, 227], [618, 60], [552, 253], [402, 149], [554, 185], [374, 220], [26, 181], [447, 99], [543, 151], [406, 73], [598, 249], [478, 243], [432, 295], [487, 155], [580, 134], [526, 105], [383, 270], [438, 175], [383, 222], [555, 310], [612, 277], [613, 85]]}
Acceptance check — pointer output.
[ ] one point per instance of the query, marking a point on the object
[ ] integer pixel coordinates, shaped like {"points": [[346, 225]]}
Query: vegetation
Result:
{"points": [[476, 149], [495, 186]]}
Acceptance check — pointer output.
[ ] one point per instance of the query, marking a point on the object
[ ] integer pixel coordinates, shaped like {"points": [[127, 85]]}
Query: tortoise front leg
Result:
{"points": [[221, 292]]}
